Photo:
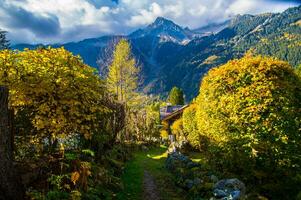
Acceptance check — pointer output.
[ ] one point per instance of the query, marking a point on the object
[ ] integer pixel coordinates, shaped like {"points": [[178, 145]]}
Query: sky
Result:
{"points": [[61, 21]]}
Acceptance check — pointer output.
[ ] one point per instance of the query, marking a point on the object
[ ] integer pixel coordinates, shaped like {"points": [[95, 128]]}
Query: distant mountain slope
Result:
{"points": [[88, 49], [277, 35], [174, 56]]}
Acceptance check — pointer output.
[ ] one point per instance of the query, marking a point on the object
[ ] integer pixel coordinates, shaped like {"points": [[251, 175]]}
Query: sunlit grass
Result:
{"points": [[163, 155], [198, 157], [158, 155]]}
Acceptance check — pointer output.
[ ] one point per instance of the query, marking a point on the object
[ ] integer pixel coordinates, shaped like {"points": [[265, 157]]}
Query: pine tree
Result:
{"points": [[4, 43], [176, 96]]}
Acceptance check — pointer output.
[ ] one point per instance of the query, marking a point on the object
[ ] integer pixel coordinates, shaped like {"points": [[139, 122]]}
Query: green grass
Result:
{"points": [[153, 161], [132, 179]]}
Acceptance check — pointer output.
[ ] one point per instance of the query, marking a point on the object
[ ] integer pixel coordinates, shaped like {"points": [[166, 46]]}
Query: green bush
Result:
{"points": [[250, 112]]}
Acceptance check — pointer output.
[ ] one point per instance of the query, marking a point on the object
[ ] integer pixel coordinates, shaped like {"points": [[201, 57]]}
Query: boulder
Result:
{"points": [[188, 183], [176, 160], [229, 189]]}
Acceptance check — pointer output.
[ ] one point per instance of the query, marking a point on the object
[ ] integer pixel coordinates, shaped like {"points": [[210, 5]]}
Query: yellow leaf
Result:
{"points": [[74, 177]]}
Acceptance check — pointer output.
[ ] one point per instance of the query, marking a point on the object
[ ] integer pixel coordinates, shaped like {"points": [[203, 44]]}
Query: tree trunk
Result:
{"points": [[10, 186]]}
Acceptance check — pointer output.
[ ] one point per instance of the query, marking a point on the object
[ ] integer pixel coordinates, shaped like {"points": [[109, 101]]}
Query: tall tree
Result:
{"points": [[4, 43], [122, 78], [10, 186], [176, 96]]}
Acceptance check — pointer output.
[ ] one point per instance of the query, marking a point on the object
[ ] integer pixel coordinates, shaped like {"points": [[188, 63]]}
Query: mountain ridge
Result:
{"points": [[171, 55]]}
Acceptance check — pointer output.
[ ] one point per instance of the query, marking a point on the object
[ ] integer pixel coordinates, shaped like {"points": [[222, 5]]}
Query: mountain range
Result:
{"points": [[170, 55]]}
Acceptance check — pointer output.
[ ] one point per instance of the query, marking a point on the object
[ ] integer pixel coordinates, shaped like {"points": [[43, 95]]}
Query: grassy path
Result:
{"points": [[149, 165]]}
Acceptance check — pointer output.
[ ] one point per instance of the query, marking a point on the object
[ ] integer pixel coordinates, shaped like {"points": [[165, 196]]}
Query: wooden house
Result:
{"points": [[169, 114]]}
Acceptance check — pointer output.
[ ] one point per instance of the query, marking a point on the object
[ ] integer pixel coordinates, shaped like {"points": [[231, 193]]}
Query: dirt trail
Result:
{"points": [[150, 190]]}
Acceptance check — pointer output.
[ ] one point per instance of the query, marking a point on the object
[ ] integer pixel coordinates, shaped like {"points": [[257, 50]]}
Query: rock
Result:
{"points": [[191, 165], [232, 189], [186, 171], [184, 159], [176, 160], [188, 183], [213, 178], [208, 186], [235, 194], [219, 193], [197, 181]]}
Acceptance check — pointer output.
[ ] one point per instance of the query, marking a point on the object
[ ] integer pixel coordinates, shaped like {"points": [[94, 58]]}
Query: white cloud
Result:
{"points": [[146, 16], [80, 19], [258, 6], [198, 10]]}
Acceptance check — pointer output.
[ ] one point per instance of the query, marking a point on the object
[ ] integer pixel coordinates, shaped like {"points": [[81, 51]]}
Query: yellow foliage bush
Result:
{"points": [[177, 129], [52, 91], [190, 126], [164, 134], [250, 112]]}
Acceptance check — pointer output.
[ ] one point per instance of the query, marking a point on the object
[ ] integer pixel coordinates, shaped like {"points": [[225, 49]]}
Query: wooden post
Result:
{"points": [[10, 185]]}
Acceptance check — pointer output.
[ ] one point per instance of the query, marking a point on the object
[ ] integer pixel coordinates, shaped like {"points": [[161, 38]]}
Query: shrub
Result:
{"points": [[249, 110], [177, 129], [190, 126], [164, 134]]}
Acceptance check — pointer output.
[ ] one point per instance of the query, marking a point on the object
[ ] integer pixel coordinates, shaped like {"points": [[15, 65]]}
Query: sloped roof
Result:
{"points": [[169, 112]]}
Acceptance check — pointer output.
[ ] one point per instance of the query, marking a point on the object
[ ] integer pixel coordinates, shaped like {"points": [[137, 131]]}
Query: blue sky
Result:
{"points": [[59, 21]]}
